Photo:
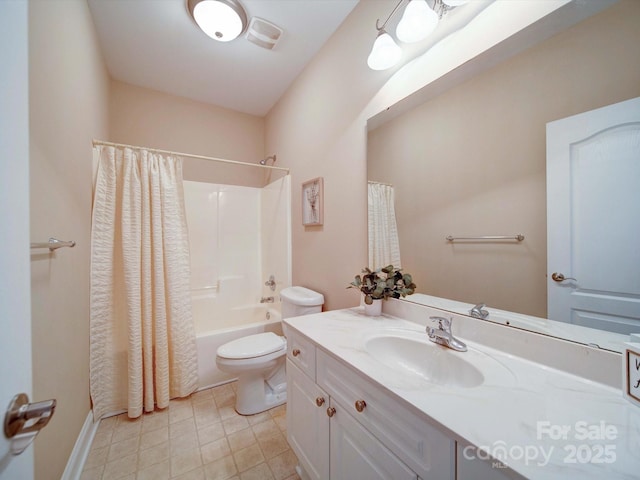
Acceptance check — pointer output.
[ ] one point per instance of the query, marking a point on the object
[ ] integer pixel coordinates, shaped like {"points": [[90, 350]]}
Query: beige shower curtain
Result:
{"points": [[142, 338]]}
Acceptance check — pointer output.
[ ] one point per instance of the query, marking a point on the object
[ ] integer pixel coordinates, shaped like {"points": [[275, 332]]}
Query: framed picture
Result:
{"points": [[312, 202]]}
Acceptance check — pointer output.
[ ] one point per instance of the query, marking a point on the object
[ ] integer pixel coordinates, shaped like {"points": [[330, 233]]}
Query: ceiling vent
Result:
{"points": [[262, 33]]}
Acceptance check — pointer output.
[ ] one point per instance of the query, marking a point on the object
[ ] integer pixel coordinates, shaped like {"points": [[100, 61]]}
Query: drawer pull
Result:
{"points": [[320, 401], [360, 404], [331, 411], [295, 352]]}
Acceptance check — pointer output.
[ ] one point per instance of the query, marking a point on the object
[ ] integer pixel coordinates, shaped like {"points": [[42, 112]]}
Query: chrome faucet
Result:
{"points": [[442, 334], [479, 312], [271, 283], [267, 300]]}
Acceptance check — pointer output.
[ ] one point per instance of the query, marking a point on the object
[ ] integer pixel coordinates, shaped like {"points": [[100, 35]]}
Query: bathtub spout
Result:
{"points": [[267, 300]]}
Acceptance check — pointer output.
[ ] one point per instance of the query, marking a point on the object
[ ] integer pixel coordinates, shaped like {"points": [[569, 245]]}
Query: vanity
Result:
{"points": [[372, 397]]}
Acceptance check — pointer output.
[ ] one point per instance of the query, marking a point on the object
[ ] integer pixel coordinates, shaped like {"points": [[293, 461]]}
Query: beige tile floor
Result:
{"points": [[197, 438]]}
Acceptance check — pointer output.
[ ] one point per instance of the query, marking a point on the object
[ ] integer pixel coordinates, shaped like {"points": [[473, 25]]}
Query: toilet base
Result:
{"points": [[255, 395]]}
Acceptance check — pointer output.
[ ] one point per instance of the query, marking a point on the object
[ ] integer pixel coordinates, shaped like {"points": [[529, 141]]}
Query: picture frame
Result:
{"points": [[313, 202]]}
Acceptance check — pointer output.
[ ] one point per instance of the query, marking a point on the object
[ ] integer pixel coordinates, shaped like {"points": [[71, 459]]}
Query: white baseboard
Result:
{"points": [[80, 451]]}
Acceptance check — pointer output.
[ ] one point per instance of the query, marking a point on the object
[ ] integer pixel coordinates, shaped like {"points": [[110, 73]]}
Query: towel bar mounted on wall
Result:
{"points": [[518, 238], [54, 244]]}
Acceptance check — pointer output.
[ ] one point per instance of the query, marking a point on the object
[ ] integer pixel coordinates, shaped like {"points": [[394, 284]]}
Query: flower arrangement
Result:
{"points": [[383, 283]]}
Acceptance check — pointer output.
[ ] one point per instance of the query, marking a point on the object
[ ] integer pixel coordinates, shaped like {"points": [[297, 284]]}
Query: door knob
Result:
{"points": [[319, 401], [20, 411], [360, 404], [559, 277], [295, 352], [331, 411]]}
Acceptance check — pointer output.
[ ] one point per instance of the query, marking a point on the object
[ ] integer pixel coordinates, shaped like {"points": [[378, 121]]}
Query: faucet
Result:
{"points": [[271, 283], [479, 312], [442, 334], [266, 300]]}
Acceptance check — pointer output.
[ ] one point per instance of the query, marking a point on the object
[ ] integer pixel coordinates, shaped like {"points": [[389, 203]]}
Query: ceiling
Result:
{"points": [[156, 44]]}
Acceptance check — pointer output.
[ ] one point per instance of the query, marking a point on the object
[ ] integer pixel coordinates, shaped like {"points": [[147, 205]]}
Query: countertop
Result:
{"points": [[543, 423]]}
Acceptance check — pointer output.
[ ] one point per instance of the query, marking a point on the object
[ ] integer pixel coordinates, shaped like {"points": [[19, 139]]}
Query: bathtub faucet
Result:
{"points": [[266, 300]]}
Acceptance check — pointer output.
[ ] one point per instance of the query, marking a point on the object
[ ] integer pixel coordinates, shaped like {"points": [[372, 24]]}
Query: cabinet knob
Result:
{"points": [[295, 352], [320, 401], [331, 411], [360, 404]]}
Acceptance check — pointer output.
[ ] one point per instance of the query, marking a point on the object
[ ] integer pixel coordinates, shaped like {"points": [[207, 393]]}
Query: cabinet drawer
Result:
{"points": [[427, 451], [302, 353]]}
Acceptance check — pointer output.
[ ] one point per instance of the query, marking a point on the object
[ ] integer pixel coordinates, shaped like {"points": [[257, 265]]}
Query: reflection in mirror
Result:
{"points": [[472, 162]]}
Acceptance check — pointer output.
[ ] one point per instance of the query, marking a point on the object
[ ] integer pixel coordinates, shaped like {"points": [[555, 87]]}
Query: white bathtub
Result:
{"points": [[212, 331]]}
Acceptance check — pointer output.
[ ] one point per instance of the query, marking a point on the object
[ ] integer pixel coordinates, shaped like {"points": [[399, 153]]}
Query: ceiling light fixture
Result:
{"points": [[222, 20], [417, 22]]}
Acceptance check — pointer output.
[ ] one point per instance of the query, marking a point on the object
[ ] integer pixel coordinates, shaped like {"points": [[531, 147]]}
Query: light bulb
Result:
{"points": [[218, 20], [385, 52], [418, 21]]}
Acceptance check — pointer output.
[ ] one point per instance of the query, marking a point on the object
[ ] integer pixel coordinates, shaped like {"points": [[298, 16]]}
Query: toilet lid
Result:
{"points": [[252, 346]]}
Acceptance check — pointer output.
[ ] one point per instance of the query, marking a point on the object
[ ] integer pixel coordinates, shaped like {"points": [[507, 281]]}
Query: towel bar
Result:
{"points": [[54, 244], [518, 237]]}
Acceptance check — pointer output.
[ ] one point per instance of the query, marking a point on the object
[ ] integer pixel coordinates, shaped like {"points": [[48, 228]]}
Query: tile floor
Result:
{"points": [[197, 438]]}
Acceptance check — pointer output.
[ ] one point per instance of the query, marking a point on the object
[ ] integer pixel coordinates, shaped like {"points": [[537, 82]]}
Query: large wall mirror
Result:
{"points": [[472, 162]]}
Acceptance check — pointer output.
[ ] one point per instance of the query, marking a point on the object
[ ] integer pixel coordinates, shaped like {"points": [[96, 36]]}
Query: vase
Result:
{"points": [[375, 309]]}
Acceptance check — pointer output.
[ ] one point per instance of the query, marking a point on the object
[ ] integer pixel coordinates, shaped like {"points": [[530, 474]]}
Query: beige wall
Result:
{"points": [[472, 161], [68, 93], [319, 129], [144, 117]]}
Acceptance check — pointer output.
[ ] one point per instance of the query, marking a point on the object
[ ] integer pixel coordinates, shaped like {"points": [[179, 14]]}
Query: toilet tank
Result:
{"points": [[298, 301]]}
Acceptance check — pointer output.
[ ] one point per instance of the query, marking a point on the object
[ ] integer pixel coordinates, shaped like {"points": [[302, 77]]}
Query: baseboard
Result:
{"points": [[80, 451]]}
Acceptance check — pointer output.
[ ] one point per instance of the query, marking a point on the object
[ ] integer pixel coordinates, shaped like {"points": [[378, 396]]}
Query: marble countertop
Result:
{"points": [[542, 422]]}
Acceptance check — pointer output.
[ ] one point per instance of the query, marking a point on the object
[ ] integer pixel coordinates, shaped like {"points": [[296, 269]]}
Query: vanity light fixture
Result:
{"points": [[222, 20], [418, 21]]}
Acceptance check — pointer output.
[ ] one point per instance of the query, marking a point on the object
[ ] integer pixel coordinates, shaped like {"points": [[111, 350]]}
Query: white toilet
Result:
{"points": [[259, 360]]}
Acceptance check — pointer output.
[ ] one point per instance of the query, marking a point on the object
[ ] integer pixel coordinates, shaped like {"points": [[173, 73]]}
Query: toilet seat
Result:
{"points": [[252, 346]]}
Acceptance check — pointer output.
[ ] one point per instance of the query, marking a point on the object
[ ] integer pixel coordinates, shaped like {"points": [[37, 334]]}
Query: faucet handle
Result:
{"points": [[443, 323]]}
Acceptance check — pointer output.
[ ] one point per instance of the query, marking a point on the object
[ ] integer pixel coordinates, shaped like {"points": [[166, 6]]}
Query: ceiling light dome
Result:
{"points": [[222, 20]]}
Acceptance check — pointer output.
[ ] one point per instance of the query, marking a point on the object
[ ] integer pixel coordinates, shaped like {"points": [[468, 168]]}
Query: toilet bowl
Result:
{"points": [[259, 360]]}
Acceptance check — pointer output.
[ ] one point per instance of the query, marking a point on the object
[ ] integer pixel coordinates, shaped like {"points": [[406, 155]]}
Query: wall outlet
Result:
{"points": [[631, 370]]}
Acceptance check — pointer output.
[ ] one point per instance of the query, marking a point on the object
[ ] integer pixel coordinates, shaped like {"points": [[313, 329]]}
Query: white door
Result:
{"points": [[308, 423], [15, 321], [593, 218], [356, 454]]}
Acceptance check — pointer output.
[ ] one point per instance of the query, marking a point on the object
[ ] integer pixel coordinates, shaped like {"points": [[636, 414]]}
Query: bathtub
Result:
{"points": [[235, 323]]}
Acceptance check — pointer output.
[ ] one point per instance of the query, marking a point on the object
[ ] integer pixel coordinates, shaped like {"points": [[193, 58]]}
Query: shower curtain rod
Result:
{"points": [[189, 155]]}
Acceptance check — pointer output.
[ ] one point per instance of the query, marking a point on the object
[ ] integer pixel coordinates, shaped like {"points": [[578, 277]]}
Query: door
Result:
{"points": [[308, 423], [593, 218], [356, 453], [15, 323]]}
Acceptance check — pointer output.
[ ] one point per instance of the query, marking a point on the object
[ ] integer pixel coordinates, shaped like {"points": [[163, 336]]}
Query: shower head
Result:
{"points": [[265, 160]]}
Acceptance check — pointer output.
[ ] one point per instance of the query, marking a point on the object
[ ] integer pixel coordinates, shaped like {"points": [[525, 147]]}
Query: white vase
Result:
{"points": [[375, 309]]}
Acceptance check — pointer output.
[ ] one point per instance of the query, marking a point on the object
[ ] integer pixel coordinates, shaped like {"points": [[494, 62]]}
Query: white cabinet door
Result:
{"points": [[357, 454], [308, 423], [470, 467]]}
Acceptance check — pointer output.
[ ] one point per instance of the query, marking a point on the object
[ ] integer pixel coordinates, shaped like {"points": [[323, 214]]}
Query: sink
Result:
{"points": [[411, 352]]}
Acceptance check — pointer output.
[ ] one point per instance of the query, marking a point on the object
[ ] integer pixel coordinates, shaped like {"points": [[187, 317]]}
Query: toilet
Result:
{"points": [[259, 360]]}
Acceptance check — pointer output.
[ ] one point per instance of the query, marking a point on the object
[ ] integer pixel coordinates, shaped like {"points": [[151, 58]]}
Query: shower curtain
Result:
{"points": [[384, 245], [142, 336]]}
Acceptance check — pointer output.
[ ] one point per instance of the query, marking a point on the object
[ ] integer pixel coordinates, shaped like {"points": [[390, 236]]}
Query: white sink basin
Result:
{"points": [[411, 352]]}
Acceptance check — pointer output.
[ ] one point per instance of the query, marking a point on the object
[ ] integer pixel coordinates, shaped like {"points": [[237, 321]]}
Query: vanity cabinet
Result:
{"points": [[343, 426]]}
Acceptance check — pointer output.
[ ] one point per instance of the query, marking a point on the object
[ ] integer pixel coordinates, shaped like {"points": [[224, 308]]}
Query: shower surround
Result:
{"points": [[238, 236]]}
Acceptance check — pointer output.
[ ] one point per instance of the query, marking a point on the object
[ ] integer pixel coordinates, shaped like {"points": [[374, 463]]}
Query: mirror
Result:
{"points": [[472, 162]]}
